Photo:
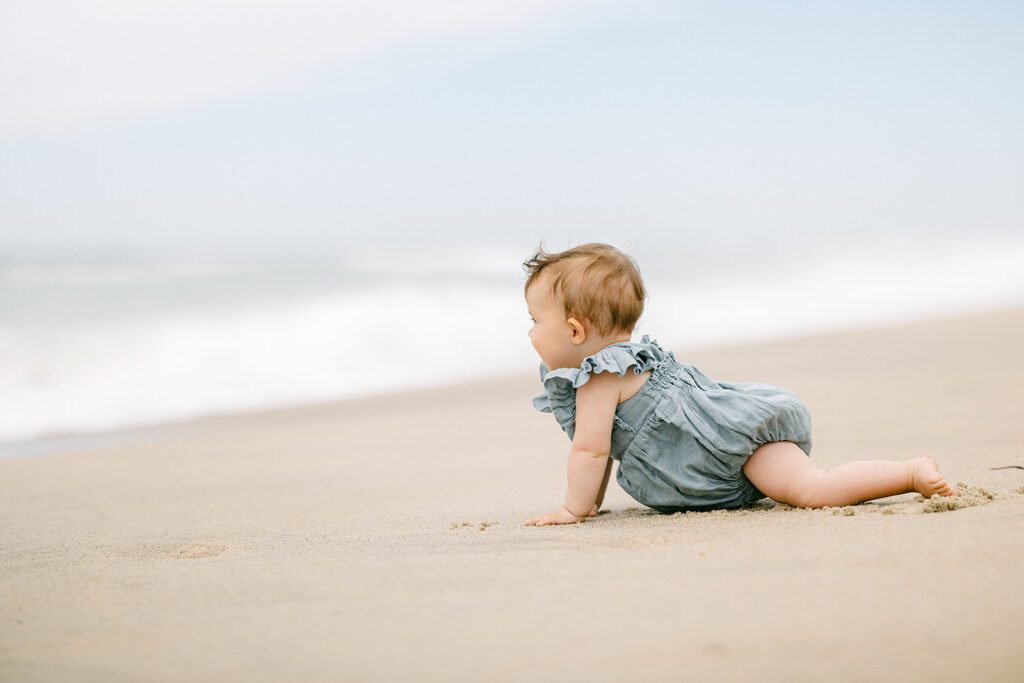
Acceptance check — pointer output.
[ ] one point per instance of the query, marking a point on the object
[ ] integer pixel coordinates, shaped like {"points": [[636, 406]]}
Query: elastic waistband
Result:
{"points": [[665, 373]]}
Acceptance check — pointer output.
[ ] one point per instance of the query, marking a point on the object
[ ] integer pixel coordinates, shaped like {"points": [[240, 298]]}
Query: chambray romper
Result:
{"points": [[682, 439]]}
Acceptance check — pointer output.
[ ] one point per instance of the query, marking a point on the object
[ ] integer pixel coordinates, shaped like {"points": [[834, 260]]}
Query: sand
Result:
{"points": [[343, 542]]}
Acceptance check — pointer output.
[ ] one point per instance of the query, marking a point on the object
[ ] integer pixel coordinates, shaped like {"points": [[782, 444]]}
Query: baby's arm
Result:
{"points": [[588, 458]]}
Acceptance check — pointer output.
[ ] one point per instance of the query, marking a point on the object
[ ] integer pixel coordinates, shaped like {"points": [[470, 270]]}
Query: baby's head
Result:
{"points": [[582, 299]]}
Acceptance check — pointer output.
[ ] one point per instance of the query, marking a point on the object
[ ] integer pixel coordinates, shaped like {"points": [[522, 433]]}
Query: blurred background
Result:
{"points": [[209, 207]]}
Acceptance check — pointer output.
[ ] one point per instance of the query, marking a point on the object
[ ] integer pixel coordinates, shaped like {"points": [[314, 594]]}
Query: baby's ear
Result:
{"points": [[579, 331]]}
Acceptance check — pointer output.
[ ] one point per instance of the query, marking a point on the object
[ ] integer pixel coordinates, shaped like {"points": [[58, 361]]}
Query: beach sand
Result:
{"points": [[383, 539]]}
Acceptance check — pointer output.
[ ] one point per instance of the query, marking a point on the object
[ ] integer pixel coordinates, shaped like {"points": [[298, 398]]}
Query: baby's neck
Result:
{"points": [[593, 344]]}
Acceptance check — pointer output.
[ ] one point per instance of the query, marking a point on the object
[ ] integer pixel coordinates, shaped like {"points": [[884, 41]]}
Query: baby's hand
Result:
{"points": [[561, 516]]}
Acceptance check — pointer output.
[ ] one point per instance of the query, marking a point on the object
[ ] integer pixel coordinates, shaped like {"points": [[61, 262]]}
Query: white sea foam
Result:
{"points": [[841, 289], [188, 363], [92, 364]]}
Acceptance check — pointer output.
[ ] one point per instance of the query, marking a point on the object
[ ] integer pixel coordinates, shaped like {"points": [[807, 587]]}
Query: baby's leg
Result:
{"points": [[785, 474]]}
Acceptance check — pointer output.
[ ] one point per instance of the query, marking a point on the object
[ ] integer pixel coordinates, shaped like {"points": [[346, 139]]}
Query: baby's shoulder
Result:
{"points": [[632, 384], [611, 385], [626, 366]]}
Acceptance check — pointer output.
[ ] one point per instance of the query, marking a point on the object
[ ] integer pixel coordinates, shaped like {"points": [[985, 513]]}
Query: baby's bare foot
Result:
{"points": [[926, 480]]}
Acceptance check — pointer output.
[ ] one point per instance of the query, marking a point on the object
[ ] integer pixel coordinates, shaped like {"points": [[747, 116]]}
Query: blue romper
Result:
{"points": [[682, 439]]}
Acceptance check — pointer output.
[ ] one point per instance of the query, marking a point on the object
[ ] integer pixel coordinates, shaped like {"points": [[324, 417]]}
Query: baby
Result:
{"points": [[683, 440]]}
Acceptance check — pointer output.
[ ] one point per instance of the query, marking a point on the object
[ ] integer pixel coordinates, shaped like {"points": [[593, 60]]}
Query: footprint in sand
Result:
{"points": [[194, 551], [173, 551], [483, 525]]}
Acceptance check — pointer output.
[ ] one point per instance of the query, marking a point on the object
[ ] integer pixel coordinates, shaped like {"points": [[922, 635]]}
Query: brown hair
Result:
{"points": [[595, 282]]}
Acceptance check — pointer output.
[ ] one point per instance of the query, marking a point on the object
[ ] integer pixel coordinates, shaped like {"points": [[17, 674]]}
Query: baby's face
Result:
{"points": [[551, 334]]}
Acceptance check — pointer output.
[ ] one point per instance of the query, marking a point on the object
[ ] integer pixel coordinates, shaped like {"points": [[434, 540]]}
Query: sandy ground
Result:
{"points": [[347, 542]]}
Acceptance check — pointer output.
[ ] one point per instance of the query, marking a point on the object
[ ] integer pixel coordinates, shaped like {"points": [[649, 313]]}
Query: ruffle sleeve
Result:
{"points": [[560, 385]]}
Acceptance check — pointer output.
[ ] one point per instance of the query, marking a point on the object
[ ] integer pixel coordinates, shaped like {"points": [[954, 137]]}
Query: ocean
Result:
{"points": [[92, 343]]}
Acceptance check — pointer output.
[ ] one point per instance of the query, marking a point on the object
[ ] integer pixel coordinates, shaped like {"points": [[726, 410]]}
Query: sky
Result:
{"points": [[279, 127]]}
